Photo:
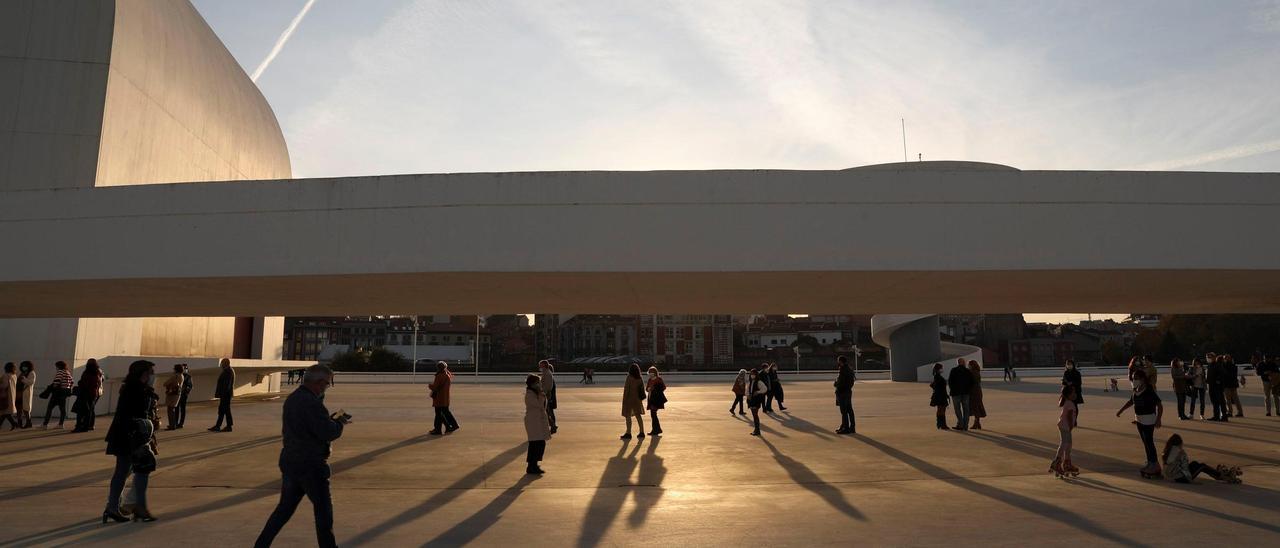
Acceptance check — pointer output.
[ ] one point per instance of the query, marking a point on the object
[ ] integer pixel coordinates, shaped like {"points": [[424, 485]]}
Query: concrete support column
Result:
{"points": [[913, 345]]}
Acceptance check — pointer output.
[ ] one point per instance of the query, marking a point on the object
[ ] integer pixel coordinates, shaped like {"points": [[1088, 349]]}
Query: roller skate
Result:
{"points": [[1151, 471], [1070, 469], [1056, 468], [1229, 474]]}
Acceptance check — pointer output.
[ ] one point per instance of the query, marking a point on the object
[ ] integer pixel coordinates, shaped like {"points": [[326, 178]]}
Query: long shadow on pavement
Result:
{"points": [[473, 479], [1219, 450], [609, 496], [468, 529], [808, 479], [1199, 510], [1050, 511], [649, 482], [112, 532], [96, 451], [796, 423]]}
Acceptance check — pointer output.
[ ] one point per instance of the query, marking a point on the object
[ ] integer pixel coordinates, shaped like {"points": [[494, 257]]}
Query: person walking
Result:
{"points": [[657, 389], [739, 391], [26, 391], [961, 382], [9, 396], [88, 390], [1269, 373], [187, 386], [1196, 387], [224, 390], [1217, 386], [1148, 410], [1181, 469], [131, 440], [939, 398], [845, 378], [441, 387], [1231, 387], [537, 423], [633, 400], [775, 386], [759, 388], [307, 430], [976, 408], [59, 390], [767, 375], [173, 393], [1009, 373], [1178, 374], [548, 380]]}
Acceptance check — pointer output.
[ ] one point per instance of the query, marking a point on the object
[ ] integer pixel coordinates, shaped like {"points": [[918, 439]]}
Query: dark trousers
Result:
{"points": [[1196, 393], [1219, 402], [59, 401], [313, 483], [657, 426], [182, 410], [445, 418], [737, 402], [118, 477], [86, 412], [551, 416], [768, 401], [846, 416], [537, 448], [1198, 468], [1182, 401], [1148, 435], [224, 410]]}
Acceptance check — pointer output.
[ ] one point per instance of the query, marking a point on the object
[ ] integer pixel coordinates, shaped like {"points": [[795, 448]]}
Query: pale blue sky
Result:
{"points": [[423, 86]]}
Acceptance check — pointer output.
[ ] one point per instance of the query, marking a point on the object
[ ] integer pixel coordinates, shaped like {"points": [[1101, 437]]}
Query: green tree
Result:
{"points": [[352, 360], [381, 359]]}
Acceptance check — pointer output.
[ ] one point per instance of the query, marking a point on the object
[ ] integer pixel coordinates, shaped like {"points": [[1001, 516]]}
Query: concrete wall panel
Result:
{"points": [[188, 336]]}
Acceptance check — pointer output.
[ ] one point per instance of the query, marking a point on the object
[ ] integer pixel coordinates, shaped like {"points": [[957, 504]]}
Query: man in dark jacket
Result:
{"points": [[1216, 378], [223, 391], [307, 429], [187, 385], [844, 396], [1268, 372], [1231, 387], [961, 382]]}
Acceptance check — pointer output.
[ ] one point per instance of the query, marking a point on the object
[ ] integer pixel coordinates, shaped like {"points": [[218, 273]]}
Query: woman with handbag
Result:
{"points": [[58, 391], [633, 400], [26, 393], [657, 399], [536, 423], [131, 439]]}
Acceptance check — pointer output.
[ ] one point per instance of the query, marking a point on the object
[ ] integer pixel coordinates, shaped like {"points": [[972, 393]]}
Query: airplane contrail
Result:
{"points": [[284, 37], [1230, 153]]}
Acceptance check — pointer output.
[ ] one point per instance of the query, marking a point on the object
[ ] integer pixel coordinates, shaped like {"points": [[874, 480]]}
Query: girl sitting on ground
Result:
{"points": [[1178, 467]]}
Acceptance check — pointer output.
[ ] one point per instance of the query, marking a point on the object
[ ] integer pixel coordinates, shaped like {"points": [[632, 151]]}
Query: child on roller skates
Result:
{"points": [[1061, 465], [1178, 467]]}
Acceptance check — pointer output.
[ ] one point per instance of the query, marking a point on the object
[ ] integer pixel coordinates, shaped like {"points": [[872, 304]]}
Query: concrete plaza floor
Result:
{"points": [[706, 482]]}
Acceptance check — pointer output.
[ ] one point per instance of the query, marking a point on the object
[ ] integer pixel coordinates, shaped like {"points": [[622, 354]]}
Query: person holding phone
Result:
{"points": [[308, 430]]}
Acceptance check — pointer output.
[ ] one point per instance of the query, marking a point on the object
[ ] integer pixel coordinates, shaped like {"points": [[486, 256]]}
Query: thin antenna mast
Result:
{"points": [[904, 139]]}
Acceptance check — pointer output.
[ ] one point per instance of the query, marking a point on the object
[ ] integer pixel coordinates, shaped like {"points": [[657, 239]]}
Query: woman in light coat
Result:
{"points": [[740, 392], [172, 394], [8, 394], [26, 393], [633, 400], [536, 423]]}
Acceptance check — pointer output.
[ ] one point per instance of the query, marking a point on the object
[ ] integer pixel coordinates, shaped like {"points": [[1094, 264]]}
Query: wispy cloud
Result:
{"points": [[1220, 155], [279, 45]]}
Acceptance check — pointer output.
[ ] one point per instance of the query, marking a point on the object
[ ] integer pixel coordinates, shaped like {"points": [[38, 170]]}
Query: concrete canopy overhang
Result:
{"points": [[737, 241]]}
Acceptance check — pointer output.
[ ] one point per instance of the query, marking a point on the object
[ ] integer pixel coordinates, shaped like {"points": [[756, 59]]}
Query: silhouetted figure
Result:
{"points": [[131, 439], [758, 390], [633, 396], [9, 396], [961, 381], [762, 375], [1269, 372], [1178, 374], [740, 391], [977, 408], [775, 388], [441, 389], [172, 394], [939, 399], [1071, 376], [1196, 386], [536, 423], [59, 390], [844, 396], [548, 382], [26, 392], [1068, 412], [1217, 384], [1147, 411], [224, 390], [187, 386], [1231, 387], [308, 429], [657, 399], [88, 390]]}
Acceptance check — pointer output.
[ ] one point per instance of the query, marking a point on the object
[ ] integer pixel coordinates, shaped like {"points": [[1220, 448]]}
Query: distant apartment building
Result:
{"points": [[686, 340], [1040, 352], [306, 337], [597, 335]]}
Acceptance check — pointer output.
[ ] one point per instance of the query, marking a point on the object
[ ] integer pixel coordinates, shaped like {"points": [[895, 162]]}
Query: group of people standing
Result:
{"points": [[962, 388], [17, 395], [1220, 377]]}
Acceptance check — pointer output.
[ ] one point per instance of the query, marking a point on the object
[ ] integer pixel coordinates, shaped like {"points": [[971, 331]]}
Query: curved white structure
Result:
{"points": [[914, 346]]}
